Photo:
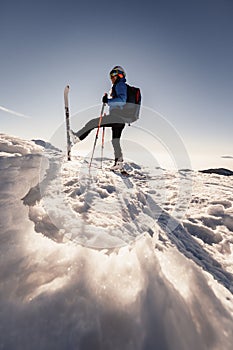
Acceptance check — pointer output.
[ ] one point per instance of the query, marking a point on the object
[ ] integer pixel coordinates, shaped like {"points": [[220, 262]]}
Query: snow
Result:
{"points": [[102, 261]]}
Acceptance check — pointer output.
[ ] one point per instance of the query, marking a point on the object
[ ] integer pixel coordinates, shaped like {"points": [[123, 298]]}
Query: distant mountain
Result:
{"points": [[227, 157], [46, 145], [218, 171]]}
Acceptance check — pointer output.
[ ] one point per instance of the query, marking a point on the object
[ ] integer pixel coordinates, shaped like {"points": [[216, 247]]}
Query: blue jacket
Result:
{"points": [[119, 94]]}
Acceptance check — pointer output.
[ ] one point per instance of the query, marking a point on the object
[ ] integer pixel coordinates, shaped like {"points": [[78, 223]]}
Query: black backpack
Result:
{"points": [[133, 103]]}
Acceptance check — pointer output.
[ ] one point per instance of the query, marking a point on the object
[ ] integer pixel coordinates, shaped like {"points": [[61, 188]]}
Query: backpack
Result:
{"points": [[133, 103]]}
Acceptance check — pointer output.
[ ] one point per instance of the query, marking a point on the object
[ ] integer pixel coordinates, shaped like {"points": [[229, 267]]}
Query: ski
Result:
{"points": [[124, 173], [67, 116], [120, 172]]}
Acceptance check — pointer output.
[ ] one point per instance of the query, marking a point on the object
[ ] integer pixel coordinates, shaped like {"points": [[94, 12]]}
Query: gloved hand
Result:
{"points": [[105, 98]]}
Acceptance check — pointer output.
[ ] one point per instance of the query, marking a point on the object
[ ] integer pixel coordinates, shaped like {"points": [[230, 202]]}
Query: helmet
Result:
{"points": [[118, 70]]}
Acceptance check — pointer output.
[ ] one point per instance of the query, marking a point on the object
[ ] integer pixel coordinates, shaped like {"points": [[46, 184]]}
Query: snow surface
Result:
{"points": [[102, 261]]}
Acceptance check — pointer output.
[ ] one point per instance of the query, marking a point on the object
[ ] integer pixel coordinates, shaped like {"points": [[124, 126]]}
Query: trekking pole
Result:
{"points": [[97, 134], [102, 146]]}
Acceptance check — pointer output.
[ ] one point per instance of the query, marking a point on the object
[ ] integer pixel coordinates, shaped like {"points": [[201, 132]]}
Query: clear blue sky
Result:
{"points": [[179, 52]]}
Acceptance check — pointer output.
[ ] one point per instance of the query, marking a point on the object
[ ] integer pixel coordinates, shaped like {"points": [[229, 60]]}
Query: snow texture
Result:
{"points": [[102, 261]]}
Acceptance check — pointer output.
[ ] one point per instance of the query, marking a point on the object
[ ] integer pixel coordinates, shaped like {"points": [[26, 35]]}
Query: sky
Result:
{"points": [[179, 53]]}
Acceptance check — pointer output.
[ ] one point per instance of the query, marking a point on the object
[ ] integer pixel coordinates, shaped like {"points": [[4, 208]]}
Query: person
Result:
{"points": [[115, 119]]}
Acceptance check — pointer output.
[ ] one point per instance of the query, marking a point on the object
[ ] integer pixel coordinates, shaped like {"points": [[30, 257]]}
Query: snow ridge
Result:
{"points": [[163, 284]]}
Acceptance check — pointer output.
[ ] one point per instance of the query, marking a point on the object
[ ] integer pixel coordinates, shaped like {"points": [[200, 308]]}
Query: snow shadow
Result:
{"points": [[188, 246]]}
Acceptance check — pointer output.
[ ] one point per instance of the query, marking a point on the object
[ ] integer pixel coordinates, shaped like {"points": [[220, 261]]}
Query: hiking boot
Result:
{"points": [[118, 164], [74, 139]]}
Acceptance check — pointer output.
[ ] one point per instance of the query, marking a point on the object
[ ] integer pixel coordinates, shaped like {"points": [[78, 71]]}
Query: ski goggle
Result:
{"points": [[113, 73]]}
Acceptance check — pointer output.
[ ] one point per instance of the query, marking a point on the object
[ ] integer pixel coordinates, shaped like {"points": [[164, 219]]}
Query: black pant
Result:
{"points": [[113, 121]]}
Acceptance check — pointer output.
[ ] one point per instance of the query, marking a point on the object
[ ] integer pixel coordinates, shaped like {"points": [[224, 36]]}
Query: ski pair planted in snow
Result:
{"points": [[67, 116]]}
